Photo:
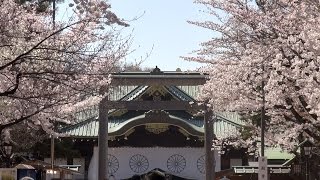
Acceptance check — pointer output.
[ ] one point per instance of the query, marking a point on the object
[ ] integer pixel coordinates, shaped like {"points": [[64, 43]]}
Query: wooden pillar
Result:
{"points": [[209, 159], [103, 140]]}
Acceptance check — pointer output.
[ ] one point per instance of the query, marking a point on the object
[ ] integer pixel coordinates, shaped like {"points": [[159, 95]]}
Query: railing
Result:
{"points": [[273, 169], [71, 167]]}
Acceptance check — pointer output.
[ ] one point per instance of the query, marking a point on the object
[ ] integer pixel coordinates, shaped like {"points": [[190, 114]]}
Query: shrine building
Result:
{"points": [[141, 139]]}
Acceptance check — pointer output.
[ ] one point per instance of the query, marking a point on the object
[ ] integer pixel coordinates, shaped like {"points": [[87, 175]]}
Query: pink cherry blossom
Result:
{"points": [[272, 41], [48, 72]]}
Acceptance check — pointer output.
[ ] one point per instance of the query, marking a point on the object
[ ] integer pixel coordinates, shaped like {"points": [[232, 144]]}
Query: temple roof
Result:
{"points": [[121, 121], [89, 128]]}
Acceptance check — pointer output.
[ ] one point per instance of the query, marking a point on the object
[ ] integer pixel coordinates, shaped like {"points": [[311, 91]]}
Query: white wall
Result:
{"points": [[156, 158]]}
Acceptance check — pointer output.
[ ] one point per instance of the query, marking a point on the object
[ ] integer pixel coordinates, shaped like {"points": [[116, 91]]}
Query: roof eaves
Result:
{"points": [[73, 126], [229, 121]]}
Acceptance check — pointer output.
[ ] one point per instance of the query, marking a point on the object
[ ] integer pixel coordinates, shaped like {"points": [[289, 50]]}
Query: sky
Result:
{"points": [[162, 30], [161, 33]]}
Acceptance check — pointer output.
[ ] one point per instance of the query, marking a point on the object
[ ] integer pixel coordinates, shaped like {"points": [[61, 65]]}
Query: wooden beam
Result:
{"points": [[151, 80], [152, 105], [103, 140], [209, 159]]}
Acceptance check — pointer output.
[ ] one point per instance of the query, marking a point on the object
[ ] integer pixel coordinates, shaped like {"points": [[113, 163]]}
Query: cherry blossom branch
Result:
{"points": [[15, 86], [39, 43]]}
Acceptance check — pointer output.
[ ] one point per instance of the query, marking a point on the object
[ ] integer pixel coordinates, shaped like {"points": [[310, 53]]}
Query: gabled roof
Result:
{"points": [[87, 126], [129, 93], [125, 93], [180, 94]]}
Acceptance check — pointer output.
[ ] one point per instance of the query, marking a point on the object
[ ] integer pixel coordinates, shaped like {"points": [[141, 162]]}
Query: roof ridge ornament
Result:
{"points": [[156, 71]]}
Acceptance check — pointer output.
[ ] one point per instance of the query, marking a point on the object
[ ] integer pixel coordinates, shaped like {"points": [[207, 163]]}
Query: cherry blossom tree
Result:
{"points": [[40, 5], [265, 49], [48, 71]]}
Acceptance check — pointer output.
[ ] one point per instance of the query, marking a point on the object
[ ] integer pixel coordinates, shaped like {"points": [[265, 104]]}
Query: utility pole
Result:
{"points": [[209, 135], [54, 14], [103, 140], [263, 112], [52, 152], [263, 173], [53, 27]]}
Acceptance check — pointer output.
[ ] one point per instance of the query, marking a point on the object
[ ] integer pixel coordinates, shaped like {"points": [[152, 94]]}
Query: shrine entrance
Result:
{"points": [[162, 103]]}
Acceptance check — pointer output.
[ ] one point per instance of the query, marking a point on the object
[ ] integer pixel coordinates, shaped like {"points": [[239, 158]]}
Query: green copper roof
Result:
{"points": [[125, 93], [192, 91], [277, 153], [87, 126]]}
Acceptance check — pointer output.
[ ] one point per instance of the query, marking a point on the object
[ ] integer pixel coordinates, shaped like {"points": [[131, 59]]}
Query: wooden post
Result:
{"points": [[62, 175], [52, 152], [209, 160], [103, 140]]}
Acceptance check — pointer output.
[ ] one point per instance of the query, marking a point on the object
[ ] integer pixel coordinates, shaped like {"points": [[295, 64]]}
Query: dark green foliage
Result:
{"points": [[246, 132], [63, 148]]}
